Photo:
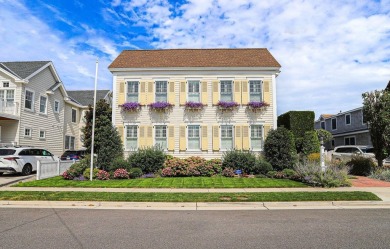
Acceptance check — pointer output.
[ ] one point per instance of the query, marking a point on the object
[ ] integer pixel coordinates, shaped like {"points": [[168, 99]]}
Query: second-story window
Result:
{"points": [[8, 96], [255, 90], [334, 124], [29, 100], [56, 106], [132, 91], [226, 90], [74, 115], [42, 104], [161, 91], [323, 125], [348, 119], [193, 91]]}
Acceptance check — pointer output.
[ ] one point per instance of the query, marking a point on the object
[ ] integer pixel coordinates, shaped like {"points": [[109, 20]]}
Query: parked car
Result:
{"points": [[345, 153], [23, 159], [73, 155]]}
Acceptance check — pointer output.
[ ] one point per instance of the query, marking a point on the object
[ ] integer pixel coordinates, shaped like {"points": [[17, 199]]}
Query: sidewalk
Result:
{"points": [[381, 192]]}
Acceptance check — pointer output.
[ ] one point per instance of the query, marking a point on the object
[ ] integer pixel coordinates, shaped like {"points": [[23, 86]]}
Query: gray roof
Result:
{"points": [[23, 69], [85, 97]]}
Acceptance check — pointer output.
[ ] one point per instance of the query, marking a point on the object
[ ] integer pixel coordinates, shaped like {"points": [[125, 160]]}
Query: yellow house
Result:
{"points": [[194, 102]]}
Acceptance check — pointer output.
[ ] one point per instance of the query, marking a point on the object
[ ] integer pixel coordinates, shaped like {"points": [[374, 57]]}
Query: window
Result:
{"points": [[27, 132], [333, 142], [29, 100], [193, 90], [226, 90], [194, 137], [255, 90], [69, 142], [161, 91], [161, 136], [226, 137], [323, 125], [7, 97], [74, 115], [56, 106], [42, 134], [42, 104], [256, 137], [131, 137], [349, 141], [348, 119], [334, 124], [132, 91], [364, 118], [5, 84]]}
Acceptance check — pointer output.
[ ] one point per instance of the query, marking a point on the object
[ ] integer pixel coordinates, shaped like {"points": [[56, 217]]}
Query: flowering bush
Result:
{"points": [[87, 173], [225, 105], [168, 172], [103, 175], [68, 175], [121, 174], [160, 106], [228, 172], [131, 106], [216, 165], [193, 105], [255, 105], [191, 166]]}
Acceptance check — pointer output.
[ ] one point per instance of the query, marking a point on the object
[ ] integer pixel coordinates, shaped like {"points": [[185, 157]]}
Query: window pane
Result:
{"points": [[132, 91], [71, 143], [42, 104], [193, 143], [10, 95], [226, 143], [162, 142], [74, 115], [28, 100], [193, 86], [56, 106]]}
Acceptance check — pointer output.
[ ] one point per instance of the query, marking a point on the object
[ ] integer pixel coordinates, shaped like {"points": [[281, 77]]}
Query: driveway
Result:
{"points": [[7, 179]]}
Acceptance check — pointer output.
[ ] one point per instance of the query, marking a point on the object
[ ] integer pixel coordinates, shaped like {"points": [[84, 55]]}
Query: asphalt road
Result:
{"points": [[75, 228]]}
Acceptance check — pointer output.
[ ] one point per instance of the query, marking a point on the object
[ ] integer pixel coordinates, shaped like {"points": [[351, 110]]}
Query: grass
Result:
{"points": [[187, 197], [169, 182]]}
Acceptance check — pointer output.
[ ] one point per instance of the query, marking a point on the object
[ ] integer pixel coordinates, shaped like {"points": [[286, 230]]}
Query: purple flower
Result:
{"points": [[160, 105], [131, 106], [193, 105], [227, 105], [257, 104]]}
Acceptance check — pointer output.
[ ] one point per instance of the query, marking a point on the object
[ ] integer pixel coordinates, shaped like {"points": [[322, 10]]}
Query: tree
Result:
{"points": [[310, 144], [279, 149], [108, 144], [376, 111], [324, 134]]}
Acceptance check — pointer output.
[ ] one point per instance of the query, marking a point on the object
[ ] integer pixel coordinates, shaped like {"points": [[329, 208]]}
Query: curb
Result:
{"points": [[15, 181]]}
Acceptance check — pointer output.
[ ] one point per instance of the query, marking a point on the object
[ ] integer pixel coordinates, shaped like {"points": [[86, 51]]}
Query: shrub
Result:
{"points": [[168, 172], [383, 175], [314, 157], [216, 164], [279, 149], [135, 173], [87, 173], [197, 167], [235, 159], [103, 175], [228, 172], [177, 165], [68, 175], [78, 168], [262, 166], [310, 143], [298, 122], [361, 166], [121, 174], [272, 173], [149, 159], [326, 135], [119, 163]]}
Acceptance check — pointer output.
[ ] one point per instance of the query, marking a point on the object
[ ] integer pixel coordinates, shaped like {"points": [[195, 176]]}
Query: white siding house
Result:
{"points": [[202, 76]]}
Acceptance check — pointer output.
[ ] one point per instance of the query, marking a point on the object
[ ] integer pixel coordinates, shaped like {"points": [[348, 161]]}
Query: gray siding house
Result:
{"points": [[347, 128]]}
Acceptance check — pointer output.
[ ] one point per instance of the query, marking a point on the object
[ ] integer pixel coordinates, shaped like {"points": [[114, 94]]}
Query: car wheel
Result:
{"points": [[27, 169], [1, 173]]}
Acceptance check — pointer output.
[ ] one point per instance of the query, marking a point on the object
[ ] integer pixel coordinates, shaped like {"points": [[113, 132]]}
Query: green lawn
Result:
{"points": [[169, 182], [187, 197]]}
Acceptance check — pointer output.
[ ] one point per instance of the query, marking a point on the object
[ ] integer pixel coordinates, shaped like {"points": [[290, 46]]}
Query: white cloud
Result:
{"points": [[330, 51]]}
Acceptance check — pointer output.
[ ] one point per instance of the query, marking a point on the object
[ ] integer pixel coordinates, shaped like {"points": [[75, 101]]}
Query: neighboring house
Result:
{"points": [[347, 128], [205, 76]]}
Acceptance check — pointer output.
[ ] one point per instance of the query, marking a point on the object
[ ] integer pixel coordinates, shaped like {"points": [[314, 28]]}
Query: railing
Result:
{"points": [[9, 107], [50, 169]]}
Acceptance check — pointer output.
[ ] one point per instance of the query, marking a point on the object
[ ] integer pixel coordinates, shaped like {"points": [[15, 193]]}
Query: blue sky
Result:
{"points": [[330, 51]]}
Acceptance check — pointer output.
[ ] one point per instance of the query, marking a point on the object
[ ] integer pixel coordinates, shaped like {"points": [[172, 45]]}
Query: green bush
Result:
{"points": [[262, 166], [87, 173], [235, 159], [298, 122], [326, 135], [228, 172], [361, 166], [78, 168], [382, 174], [135, 173], [215, 164], [279, 149], [119, 163], [289, 173], [310, 143], [149, 160]]}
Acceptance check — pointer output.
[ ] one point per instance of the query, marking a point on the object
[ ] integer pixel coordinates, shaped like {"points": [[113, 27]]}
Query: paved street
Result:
{"points": [[75, 228]]}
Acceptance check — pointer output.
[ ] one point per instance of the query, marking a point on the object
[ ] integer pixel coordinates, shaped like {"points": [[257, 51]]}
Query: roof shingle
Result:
{"points": [[23, 69], [242, 57], [85, 97]]}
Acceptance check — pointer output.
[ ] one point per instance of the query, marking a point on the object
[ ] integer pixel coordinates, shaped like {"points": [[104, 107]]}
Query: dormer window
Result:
{"points": [[5, 84]]}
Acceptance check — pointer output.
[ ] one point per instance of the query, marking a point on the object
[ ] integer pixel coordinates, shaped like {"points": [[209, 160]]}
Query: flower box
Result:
{"points": [[227, 106], [160, 106], [257, 105], [193, 106], [131, 106]]}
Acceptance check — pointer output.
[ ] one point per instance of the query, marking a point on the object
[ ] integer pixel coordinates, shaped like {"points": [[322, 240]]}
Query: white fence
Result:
{"points": [[50, 169]]}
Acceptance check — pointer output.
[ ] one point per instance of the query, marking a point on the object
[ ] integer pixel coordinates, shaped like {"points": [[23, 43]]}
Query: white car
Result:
{"points": [[345, 153], [23, 159]]}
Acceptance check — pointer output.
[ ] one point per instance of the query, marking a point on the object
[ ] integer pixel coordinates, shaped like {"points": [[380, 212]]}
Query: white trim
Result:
{"points": [[114, 100], [24, 132], [44, 134], [262, 137], [32, 101], [350, 118], [274, 103], [71, 118], [155, 87], [154, 133], [233, 136], [47, 99], [200, 137], [59, 106], [125, 135], [255, 69], [127, 88], [188, 89]]}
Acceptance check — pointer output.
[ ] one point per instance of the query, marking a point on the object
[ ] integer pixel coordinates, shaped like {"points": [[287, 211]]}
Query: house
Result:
{"points": [[194, 102], [347, 128], [35, 108]]}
